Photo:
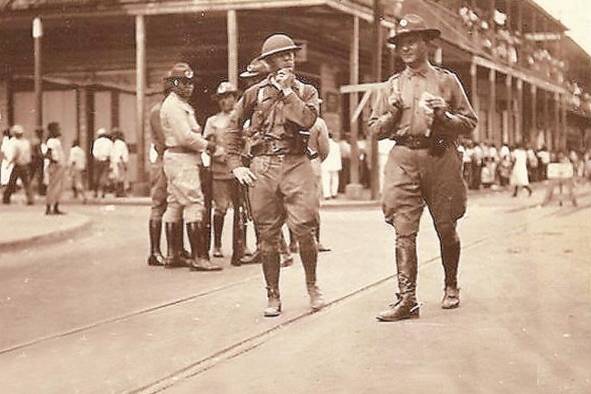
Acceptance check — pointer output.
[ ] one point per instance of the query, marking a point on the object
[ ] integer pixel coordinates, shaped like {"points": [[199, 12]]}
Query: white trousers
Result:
{"points": [[330, 183]]}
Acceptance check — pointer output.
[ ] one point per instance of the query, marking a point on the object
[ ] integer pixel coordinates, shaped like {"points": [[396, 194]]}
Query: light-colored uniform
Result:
{"points": [[119, 160], [56, 171], [77, 162], [101, 151], [184, 144], [223, 179], [157, 177]]}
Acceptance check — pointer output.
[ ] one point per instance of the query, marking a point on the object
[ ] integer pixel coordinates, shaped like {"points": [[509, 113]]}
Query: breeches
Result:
{"points": [[184, 199], [413, 179], [285, 191], [157, 190]]}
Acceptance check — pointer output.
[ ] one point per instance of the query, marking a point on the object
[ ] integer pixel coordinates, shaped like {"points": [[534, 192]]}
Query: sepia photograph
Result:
{"points": [[295, 196]]}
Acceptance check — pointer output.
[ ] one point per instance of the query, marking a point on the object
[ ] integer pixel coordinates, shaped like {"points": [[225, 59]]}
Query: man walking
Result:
{"points": [[184, 145], [101, 151], [281, 178], [423, 108], [20, 156]]}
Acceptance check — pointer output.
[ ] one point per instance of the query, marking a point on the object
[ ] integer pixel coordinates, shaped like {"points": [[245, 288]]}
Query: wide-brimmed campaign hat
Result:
{"points": [[225, 88], [278, 43], [413, 24], [256, 68]]}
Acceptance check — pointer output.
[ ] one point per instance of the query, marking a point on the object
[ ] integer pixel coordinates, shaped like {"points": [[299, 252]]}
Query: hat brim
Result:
{"points": [[248, 74], [217, 96], [429, 34], [279, 50]]}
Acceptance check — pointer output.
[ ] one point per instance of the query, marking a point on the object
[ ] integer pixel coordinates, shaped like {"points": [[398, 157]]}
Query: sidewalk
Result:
{"points": [[22, 227]]}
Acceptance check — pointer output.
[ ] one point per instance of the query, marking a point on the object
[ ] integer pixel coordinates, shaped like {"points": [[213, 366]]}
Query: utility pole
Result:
{"points": [[377, 77]]}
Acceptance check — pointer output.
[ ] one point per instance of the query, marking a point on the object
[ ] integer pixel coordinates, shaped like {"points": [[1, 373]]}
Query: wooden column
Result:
{"points": [[545, 117], [353, 189], [564, 129], [140, 64], [556, 127], [232, 48], [509, 97], [37, 37], [519, 114], [377, 76], [492, 103], [475, 98], [534, 113]]}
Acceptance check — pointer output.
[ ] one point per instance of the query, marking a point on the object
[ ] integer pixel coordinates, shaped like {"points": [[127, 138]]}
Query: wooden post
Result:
{"points": [[474, 96], [140, 64], [492, 103], [377, 76], [556, 127], [509, 98], [563, 130], [353, 189], [232, 48], [545, 122], [534, 113], [37, 37], [519, 113]]}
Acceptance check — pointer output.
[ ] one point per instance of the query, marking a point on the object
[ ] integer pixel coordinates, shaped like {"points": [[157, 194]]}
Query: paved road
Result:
{"points": [[90, 316]]}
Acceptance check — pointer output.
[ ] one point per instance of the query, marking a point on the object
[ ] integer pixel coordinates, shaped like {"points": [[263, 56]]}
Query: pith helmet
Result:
{"points": [[225, 88], [413, 24], [278, 43], [180, 71]]}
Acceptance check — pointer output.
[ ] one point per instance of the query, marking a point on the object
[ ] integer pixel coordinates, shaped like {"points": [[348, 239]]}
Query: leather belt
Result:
{"points": [[180, 149], [414, 141], [274, 148]]}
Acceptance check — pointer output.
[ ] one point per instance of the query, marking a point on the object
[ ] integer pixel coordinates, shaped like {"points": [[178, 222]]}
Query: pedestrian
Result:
{"points": [[158, 191], [519, 176], [56, 169], [562, 182], [504, 170], [119, 160], [532, 164], [544, 159], [101, 151], [38, 151], [184, 145], [477, 160], [467, 162], [5, 152], [77, 164], [280, 178], [424, 108], [20, 157], [223, 181], [330, 169]]}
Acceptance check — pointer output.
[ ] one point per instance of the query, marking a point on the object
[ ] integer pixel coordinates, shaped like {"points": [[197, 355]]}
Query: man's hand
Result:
{"points": [[438, 105], [283, 79], [211, 146], [244, 176]]}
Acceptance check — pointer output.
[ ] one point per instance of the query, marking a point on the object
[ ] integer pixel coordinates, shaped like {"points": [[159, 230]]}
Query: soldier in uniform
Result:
{"points": [[184, 145], [280, 178], [158, 192], [424, 109], [215, 127]]}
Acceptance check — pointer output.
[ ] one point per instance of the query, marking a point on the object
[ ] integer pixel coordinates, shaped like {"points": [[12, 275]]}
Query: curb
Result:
{"points": [[45, 239]]}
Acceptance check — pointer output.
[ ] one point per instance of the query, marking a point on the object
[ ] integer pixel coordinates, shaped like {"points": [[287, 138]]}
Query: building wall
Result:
{"points": [[3, 104]]}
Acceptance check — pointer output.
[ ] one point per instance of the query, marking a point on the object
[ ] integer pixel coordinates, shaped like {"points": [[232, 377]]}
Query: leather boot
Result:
{"points": [[186, 256], [56, 210], [321, 248], [405, 306], [450, 257], [155, 230], [173, 253], [271, 270], [200, 262], [218, 226], [309, 257]]}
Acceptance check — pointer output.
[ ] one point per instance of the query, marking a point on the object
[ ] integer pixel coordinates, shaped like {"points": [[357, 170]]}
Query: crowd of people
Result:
{"points": [[486, 165], [40, 166]]}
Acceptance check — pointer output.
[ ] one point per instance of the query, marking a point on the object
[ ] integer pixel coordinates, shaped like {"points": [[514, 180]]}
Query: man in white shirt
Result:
{"points": [[77, 164], [18, 153], [119, 160], [101, 151]]}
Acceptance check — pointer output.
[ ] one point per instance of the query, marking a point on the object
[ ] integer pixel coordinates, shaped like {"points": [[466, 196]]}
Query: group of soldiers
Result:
{"points": [[264, 149]]}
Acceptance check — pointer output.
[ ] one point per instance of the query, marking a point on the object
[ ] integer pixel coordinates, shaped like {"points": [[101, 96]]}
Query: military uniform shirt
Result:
{"points": [[179, 125], [412, 118], [217, 125]]}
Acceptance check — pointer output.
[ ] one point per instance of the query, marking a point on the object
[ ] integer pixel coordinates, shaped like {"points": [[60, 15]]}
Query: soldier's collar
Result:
{"points": [[422, 71]]}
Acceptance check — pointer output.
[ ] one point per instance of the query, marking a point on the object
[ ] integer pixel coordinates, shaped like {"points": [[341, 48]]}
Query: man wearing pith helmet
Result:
{"points": [[184, 145], [280, 176], [424, 109]]}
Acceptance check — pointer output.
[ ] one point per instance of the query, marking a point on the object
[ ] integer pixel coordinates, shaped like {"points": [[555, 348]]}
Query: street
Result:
{"points": [[88, 315]]}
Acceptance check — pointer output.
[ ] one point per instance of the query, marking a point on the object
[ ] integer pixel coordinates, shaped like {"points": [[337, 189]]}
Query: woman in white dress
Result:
{"points": [[56, 169], [519, 176]]}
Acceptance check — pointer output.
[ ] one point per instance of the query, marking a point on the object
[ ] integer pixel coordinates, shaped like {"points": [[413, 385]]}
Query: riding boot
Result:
{"points": [[247, 251], [309, 257], [321, 248], [406, 306], [450, 257], [155, 230], [173, 253], [237, 240], [218, 226], [186, 256], [200, 261], [271, 268], [56, 210]]}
